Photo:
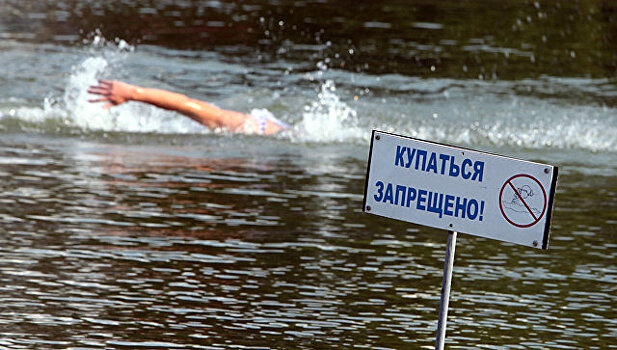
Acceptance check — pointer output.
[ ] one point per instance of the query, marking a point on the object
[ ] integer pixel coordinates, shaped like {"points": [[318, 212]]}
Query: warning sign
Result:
{"points": [[459, 189], [522, 200]]}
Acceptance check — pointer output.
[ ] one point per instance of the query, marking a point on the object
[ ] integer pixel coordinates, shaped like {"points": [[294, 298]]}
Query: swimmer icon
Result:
{"points": [[522, 201]]}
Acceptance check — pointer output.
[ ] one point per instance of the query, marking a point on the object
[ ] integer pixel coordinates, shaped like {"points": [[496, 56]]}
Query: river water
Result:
{"points": [[137, 228]]}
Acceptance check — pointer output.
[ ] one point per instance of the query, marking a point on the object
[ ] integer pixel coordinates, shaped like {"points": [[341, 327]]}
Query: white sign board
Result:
{"points": [[459, 189]]}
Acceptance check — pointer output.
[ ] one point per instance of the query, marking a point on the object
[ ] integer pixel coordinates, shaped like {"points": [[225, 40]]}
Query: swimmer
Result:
{"points": [[258, 122]]}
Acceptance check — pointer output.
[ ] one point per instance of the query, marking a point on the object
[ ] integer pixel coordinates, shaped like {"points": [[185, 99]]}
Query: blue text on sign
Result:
{"points": [[438, 163], [434, 202]]}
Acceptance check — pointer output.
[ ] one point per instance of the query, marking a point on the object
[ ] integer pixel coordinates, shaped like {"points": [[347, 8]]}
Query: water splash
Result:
{"points": [[82, 113], [328, 119], [102, 53], [489, 115], [130, 117], [457, 112], [73, 112]]}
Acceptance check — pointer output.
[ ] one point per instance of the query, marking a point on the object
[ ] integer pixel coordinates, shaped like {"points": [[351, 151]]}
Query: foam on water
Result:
{"points": [[522, 122], [328, 119], [73, 109], [461, 112]]}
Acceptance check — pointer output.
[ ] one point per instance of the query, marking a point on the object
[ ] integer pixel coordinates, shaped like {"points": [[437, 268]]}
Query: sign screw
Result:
{"points": [[546, 170], [535, 243], [377, 137], [368, 208]]}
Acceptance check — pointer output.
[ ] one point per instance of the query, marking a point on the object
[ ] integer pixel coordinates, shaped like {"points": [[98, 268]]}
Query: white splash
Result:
{"points": [[130, 117], [82, 113], [465, 113], [530, 123], [328, 119], [102, 59]]}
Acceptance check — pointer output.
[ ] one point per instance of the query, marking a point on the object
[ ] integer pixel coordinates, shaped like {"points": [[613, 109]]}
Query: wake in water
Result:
{"points": [[326, 120], [471, 113], [75, 111], [71, 112]]}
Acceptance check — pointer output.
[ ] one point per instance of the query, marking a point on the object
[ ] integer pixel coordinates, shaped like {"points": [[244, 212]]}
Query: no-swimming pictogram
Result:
{"points": [[522, 200]]}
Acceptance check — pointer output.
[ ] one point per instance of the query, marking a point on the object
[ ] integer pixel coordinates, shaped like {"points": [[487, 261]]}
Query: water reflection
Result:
{"points": [[133, 246], [207, 241]]}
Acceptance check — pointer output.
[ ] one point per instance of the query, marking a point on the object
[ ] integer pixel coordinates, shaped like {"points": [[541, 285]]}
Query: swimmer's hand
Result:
{"points": [[113, 92]]}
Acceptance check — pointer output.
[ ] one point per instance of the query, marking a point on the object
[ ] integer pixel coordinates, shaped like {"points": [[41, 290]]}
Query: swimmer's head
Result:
{"points": [[525, 191]]}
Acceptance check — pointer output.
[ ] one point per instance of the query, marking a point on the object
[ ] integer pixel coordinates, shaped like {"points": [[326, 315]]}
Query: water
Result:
{"points": [[137, 228]]}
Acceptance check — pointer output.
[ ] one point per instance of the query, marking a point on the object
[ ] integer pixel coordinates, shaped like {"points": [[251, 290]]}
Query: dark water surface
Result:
{"points": [[136, 228], [116, 246], [459, 39]]}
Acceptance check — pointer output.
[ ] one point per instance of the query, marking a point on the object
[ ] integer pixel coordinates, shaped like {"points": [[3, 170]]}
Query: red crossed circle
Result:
{"points": [[508, 183]]}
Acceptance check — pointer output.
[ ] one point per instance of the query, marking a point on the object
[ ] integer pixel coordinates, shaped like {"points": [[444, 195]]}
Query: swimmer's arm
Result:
{"points": [[117, 92], [200, 111]]}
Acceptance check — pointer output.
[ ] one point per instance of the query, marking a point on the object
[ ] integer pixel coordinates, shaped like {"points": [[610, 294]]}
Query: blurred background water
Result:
{"points": [[138, 228]]}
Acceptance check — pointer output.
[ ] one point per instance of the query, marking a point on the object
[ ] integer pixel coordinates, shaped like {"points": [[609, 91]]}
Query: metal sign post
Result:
{"points": [[445, 291], [459, 190]]}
